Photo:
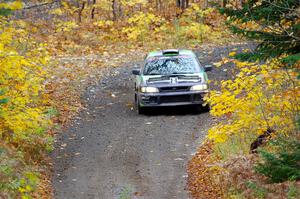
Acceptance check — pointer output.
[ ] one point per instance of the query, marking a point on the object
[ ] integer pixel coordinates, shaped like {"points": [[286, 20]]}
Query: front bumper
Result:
{"points": [[171, 98]]}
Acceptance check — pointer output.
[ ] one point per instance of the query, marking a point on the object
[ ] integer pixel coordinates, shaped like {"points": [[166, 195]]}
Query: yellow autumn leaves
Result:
{"points": [[260, 96], [23, 105], [22, 79], [140, 26], [14, 5]]}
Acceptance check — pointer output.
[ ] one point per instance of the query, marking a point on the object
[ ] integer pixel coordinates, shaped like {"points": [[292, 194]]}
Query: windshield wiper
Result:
{"points": [[175, 74], [153, 74], [183, 73]]}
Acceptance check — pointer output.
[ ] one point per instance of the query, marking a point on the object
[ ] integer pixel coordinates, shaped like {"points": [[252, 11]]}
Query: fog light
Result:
{"points": [[149, 90], [199, 87]]}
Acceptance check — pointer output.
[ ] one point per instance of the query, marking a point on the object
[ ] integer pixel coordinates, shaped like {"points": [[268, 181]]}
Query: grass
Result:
{"points": [[258, 192], [293, 191], [125, 193], [235, 145]]}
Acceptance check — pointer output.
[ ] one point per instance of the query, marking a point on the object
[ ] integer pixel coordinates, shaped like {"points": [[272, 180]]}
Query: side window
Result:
{"points": [[199, 63], [145, 57]]}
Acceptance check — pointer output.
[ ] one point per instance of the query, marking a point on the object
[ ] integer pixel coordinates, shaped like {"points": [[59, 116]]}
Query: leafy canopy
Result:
{"points": [[274, 24], [260, 97]]}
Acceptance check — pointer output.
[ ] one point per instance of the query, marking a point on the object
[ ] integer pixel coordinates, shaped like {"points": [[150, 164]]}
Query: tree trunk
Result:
{"points": [[241, 3], [182, 4], [224, 3], [160, 5], [178, 3], [260, 140], [80, 12], [93, 10], [120, 10], [114, 9], [186, 3], [205, 3]]}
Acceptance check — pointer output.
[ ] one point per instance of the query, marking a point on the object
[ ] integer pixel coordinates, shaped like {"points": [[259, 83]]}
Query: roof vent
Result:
{"points": [[170, 52]]}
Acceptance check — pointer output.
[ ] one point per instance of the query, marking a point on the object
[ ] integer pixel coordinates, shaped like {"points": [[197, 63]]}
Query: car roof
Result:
{"points": [[170, 52]]}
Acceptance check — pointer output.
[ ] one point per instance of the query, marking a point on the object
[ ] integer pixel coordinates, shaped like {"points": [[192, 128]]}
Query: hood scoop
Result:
{"points": [[158, 79], [197, 78], [179, 79]]}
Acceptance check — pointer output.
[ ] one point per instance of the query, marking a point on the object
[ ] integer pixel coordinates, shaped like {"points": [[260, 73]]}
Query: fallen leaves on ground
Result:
{"points": [[201, 173], [211, 178], [71, 75]]}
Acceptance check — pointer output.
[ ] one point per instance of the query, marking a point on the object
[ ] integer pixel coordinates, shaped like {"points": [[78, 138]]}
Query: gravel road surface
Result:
{"points": [[111, 152]]}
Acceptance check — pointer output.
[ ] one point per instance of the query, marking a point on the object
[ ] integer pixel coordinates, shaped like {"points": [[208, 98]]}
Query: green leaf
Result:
{"points": [[3, 101], [5, 12], [292, 59]]}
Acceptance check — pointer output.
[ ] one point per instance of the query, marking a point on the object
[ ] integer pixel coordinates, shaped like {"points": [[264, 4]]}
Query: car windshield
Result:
{"points": [[171, 65]]}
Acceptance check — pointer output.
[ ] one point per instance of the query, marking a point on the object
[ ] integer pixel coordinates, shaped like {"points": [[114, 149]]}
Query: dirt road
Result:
{"points": [[110, 152]]}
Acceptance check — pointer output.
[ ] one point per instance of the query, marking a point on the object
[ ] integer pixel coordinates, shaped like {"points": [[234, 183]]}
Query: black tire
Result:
{"points": [[198, 109], [205, 108], [202, 109], [140, 110]]}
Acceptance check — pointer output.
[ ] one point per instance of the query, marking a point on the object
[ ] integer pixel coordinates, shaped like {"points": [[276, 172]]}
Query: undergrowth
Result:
{"points": [[282, 164]]}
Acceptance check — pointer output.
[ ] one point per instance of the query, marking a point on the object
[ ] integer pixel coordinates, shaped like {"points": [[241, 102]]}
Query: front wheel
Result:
{"points": [[206, 108], [202, 109], [140, 110]]}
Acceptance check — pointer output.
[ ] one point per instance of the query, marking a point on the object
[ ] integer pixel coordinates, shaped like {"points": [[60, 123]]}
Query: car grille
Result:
{"points": [[174, 89], [178, 98], [190, 78]]}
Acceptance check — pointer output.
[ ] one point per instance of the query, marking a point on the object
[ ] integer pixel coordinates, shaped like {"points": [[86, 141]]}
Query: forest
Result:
{"points": [[53, 50]]}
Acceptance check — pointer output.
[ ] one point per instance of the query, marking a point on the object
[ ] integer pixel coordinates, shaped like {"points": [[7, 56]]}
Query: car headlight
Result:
{"points": [[149, 90], [199, 87]]}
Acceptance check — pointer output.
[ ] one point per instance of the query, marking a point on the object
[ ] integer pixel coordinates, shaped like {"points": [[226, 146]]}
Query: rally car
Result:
{"points": [[171, 78]]}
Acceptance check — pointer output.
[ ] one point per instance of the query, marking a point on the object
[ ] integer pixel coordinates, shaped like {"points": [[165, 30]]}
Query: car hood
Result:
{"points": [[174, 79]]}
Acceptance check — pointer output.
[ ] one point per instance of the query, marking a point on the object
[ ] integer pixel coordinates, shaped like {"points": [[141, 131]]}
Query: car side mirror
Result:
{"points": [[136, 72], [207, 68]]}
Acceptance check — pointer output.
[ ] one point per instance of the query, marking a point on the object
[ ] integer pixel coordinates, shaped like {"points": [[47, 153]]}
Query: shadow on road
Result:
{"points": [[170, 111]]}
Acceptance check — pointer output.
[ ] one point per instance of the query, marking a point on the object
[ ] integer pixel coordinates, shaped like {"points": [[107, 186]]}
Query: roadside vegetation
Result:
{"points": [[52, 50], [253, 149], [24, 107]]}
